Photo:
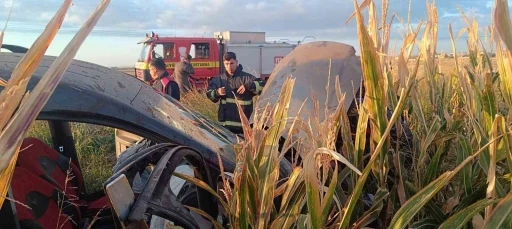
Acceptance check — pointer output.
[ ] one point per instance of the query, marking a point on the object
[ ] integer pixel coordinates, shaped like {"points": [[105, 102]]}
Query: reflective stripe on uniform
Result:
{"points": [[241, 102], [258, 87], [211, 93], [231, 123]]}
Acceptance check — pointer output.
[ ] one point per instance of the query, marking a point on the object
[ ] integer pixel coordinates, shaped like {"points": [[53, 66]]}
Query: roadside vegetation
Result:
{"points": [[456, 175]]}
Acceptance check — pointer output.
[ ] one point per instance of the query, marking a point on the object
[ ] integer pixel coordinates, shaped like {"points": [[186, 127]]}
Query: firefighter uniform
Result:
{"points": [[182, 72], [166, 85], [228, 114]]}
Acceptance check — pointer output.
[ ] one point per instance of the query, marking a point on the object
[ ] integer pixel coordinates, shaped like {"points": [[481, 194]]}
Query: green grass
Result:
{"points": [[97, 154], [197, 101]]}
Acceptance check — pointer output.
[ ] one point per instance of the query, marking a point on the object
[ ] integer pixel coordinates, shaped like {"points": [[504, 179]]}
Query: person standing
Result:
{"points": [[161, 80], [233, 83], [182, 72]]}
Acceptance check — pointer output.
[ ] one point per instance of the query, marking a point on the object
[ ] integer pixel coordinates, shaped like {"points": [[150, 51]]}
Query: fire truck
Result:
{"points": [[257, 56]]}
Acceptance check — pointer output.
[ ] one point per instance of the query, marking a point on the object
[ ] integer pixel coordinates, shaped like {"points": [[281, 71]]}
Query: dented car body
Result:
{"points": [[93, 94], [173, 134]]}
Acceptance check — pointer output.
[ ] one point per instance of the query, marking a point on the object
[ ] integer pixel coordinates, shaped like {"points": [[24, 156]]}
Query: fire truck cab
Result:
{"points": [[204, 52], [256, 55]]}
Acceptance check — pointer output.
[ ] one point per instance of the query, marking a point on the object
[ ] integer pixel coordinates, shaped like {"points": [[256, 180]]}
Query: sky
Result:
{"points": [[113, 42]]}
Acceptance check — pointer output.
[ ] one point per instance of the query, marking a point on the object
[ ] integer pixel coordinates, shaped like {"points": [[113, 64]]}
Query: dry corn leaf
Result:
{"points": [[17, 85], [502, 22], [3, 83], [363, 5], [5, 26], [14, 92], [13, 134], [491, 175], [41, 93]]}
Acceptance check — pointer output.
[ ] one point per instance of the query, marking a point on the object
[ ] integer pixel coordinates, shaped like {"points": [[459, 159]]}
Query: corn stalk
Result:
{"points": [[18, 108]]}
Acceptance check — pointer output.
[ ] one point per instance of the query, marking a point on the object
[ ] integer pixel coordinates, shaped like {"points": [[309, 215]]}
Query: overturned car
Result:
{"points": [[142, 189], [172, 136]]}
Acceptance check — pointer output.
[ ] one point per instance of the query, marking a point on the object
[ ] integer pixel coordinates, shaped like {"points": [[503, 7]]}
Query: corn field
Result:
{"points": [[456, 173]]}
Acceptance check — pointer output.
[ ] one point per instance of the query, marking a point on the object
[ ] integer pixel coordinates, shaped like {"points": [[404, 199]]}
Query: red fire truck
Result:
{"points": [[257, 56]]}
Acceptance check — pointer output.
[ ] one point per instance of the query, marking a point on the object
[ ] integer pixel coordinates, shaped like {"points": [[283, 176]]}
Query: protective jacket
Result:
{"points": [[165, 84], [228, 114], [182, 72]]}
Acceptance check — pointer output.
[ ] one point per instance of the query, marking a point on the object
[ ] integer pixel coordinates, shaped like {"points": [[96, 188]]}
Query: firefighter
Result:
{"points": [[182, 72], [161, 80], [234, 82]]}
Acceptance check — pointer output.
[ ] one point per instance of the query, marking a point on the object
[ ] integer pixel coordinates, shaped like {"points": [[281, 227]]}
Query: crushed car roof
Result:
{"points": [[99, 95]]}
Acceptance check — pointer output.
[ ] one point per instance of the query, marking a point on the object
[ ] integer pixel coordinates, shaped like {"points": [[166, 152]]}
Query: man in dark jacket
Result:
{"points": [[182, 72], [161, 80], [233, 83]]}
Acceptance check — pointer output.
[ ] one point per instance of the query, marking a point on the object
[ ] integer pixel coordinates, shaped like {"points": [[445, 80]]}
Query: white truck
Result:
{"points": [[256, 55]]}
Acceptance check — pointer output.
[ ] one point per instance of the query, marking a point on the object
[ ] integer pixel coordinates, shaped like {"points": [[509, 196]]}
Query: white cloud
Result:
{"points": [[280, 19], [9, 3], [320, 18], [258, 6], [74, 20], [45, 16]]}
